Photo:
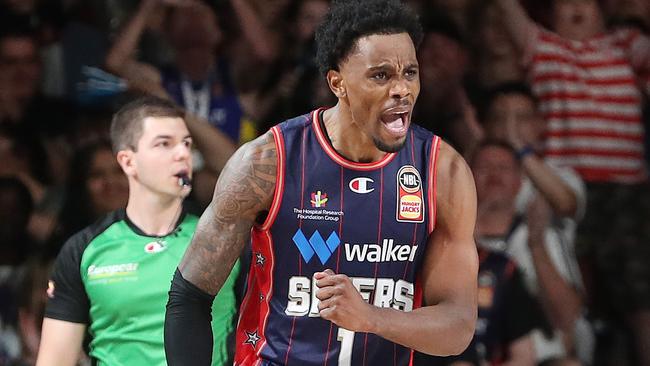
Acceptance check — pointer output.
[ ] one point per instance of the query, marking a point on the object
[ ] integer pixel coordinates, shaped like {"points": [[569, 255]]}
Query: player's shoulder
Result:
{"points": [[451, 162], [421, 133], [297, 123]]}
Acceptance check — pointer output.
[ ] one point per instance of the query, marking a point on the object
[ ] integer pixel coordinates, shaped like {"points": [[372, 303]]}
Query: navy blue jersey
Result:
{"points": [[368, 221]]}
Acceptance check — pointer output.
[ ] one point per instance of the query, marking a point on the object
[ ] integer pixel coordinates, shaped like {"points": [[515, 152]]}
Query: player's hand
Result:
{"points": [[341, 303]]}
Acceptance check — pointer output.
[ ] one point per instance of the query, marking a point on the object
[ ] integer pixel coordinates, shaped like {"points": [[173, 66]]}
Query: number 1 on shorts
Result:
{"points": [[346, 337]]}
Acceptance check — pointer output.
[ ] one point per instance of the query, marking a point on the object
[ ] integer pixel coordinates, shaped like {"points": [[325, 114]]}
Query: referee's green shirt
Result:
{"points": [[114, 278]]}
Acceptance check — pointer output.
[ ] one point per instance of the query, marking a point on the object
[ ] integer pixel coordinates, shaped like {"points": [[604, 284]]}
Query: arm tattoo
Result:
{"points": [[244, 190]]}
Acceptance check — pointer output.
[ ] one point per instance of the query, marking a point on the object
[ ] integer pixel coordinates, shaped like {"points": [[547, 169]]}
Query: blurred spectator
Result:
{"points": [[198, 80], [443, 102], [44, 17], [24, 158], [588, 82], [511, 115], [496, 57], [32, 296], [21, 102], [534, 243], [297, 87], [629, 12], [96, 187], [508, 314], [458, 10], [585, 82], [16, 246]]}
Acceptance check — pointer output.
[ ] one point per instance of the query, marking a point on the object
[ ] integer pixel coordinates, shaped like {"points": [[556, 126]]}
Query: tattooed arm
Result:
{"points": [[242, 197]]}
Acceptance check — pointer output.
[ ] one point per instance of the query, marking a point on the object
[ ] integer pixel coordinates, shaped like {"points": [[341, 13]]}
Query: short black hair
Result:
{"points": [[349, 20], [126, 126]]}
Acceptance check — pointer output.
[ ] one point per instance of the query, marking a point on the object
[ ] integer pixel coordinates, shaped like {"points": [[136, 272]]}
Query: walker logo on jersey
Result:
{"points": [[410, 205], [154, 247], [318, 199], [388, 251], [361, 185], [316, 245]]}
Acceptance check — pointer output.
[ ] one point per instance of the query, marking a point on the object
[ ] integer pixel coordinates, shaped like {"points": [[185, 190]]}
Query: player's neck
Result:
{"points": [[347, 138], [153, 214]]}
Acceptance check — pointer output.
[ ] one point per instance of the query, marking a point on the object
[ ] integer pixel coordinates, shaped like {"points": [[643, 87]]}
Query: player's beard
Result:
{"points": [[388, 148]]}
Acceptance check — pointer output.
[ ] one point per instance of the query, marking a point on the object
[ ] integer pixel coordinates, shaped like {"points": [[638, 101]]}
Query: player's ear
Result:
{"points": [[336, 83], [127, 162]]}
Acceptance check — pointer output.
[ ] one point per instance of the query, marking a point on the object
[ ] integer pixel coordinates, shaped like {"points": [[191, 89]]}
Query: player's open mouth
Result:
{"points": [[396, 121]]}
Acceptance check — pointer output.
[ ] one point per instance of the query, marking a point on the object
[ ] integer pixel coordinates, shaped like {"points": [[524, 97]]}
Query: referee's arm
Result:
{"points": [[67, 309], [60, 343]]}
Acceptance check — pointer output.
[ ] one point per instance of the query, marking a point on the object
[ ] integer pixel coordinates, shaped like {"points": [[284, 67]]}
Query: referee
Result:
{"points": [[110, 280]]}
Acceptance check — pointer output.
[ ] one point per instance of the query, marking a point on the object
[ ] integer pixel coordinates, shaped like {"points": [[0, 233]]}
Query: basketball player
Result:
{"points": [[361, 223]]}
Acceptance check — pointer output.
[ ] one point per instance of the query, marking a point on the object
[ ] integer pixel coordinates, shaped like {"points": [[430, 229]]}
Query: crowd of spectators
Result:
{"points": [[546, 99]]}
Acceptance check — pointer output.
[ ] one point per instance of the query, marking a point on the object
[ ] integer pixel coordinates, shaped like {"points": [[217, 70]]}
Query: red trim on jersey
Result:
{"points": [[433, 171], [255, 311], [265, 280], [329, 150], [279, 180]]}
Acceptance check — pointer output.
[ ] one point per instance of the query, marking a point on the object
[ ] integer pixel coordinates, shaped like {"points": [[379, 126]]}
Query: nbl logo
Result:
{"points": [[409, 179]]}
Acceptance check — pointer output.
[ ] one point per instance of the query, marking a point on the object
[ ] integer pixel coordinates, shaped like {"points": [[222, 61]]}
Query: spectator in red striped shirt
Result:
{"points": [[590, 83]]}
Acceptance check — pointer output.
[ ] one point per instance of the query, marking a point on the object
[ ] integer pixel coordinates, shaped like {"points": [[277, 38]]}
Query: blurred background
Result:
{"points": [[564, 82]]}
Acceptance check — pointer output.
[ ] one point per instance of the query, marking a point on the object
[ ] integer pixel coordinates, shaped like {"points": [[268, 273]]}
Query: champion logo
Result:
{"points": [[316, 245], [361, 185]]}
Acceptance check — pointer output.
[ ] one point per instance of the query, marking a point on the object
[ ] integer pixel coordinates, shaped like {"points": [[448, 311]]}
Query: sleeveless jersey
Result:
{"points": [[368, 221]]}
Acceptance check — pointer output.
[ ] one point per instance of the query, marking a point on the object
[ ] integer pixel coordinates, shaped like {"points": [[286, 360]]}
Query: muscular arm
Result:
{"points": [[243, 192], [445, 325], [60, 343]]}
